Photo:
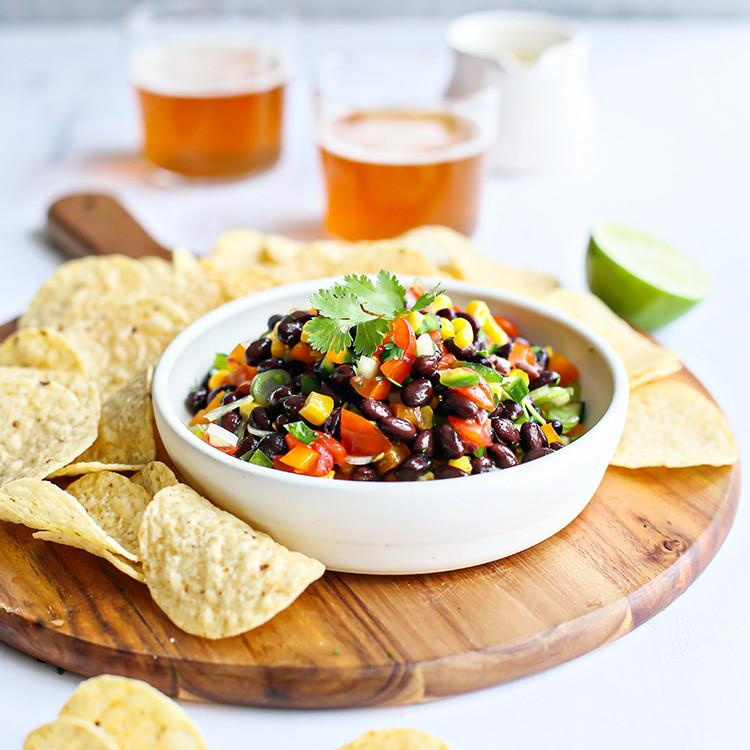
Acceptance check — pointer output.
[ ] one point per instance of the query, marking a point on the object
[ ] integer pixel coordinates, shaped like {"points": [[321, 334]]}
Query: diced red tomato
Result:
{"points": [[377, 388], [447, 360], [334, 447], [396, 370], [480, 394], [361, 437], [476, 433], [506, 325], [324, 462], [228, 449], [567, 371], [521, 354], [404, 338], [436, 339]]}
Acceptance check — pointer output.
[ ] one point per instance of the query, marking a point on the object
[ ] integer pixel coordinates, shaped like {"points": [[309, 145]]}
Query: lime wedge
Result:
{"points": [[644, 280]]}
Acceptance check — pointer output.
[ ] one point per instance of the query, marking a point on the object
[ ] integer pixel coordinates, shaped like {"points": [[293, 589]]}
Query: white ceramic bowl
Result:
{"points": [[398, 527]]}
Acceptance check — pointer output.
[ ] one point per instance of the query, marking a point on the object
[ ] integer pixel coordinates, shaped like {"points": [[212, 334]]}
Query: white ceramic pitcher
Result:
{"points": [[540, 63]]}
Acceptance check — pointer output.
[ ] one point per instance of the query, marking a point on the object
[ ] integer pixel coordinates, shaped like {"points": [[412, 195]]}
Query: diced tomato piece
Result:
{"points": [[324, 462], [404, 338], [476, 433], [567, 371], [332, 445], [506, 325], [480, 394], [447, 360], [436, 339], [377, 388], [396, 369], [361, 437], [521, 354]]}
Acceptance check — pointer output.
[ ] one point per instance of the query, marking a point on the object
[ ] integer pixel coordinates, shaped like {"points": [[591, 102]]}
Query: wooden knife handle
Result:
{"points": [[97, 224]]}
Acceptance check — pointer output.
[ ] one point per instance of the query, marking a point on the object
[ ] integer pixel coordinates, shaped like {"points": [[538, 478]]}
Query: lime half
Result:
{"points": [[644, 280]]}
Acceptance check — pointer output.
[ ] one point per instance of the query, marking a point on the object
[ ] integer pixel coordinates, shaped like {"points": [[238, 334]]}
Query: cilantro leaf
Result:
{"points": [[370, 335], [426, 299], [326, 334]]}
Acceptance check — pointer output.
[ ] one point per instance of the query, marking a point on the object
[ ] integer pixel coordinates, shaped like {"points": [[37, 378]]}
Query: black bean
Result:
{"points": [[204, 382], [501, 456], [290, 327], [511, 410], [542, 358], [425, 367], [447, 442], [373, 409], [457, 351], [276, 399], [260, 419], [273, 445], [327, 390], [424, 442], [230, 397], [448, 472], [248, 443], [505, 350], [481, 465], [283, 419], [365, 474], [557, 426], [545, 377], [332, 425], [395, 428], [196, 400], [272, 321], [295, 367], [532, 455], [505, 431], [473, 322], [258, 351], [556, 446], [532, 436], [230, 421], [272, 363], [481, 359], [293, 404], [413, 467], [216, 391], [458, 406], [446, 312], [417, 393], [341, 376]]}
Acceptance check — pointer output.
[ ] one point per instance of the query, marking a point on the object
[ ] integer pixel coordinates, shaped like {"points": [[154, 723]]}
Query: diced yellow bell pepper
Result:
{"points": [[463, 463], [521, 373], [446, 329], [550, 434], [494, 332], [305, 335], [317, 408], [464, 333], [218, 378], [414, 319], [277, 348], [479, 310], [246, 408], [498, 389]]}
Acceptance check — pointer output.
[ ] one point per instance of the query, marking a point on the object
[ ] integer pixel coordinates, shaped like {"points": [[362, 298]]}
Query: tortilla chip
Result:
{"points": [[243, 281], [154, 476], [44, 506], [237, 248], [83, 286], [70, 733], [44, 427], [125, 338], [115, 503], [125, 438], [396, 739], [192, 288], [644, 359], [40, 347], [671, 424], [454, 254], [136, 715], [130, 568], [212, 574]]}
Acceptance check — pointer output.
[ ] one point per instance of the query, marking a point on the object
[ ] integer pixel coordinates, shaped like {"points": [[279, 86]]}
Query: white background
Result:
{"points": [[672, 157]]}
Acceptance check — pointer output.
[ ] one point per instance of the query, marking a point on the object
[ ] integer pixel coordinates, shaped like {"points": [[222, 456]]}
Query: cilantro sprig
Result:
{"points": [[363, 307]]}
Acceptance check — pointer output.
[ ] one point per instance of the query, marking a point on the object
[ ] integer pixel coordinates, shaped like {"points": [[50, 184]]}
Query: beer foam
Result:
{"points": [[403, 137], [206, 70]]}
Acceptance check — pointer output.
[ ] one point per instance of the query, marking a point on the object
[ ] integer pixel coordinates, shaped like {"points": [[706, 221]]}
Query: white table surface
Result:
{"points": [[673, 157]]}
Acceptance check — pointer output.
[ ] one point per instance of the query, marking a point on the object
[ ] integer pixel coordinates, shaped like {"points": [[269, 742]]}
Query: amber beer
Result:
{"points": [[389, 170], [210, 111]]}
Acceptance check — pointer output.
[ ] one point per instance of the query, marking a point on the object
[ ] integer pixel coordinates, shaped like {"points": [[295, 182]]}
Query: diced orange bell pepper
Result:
{"points": [[506, 325], [550, 434], [304, 353], [567, 371], [301, 458], [521, 353], [200, 418], [377, 388], [361, 437]]}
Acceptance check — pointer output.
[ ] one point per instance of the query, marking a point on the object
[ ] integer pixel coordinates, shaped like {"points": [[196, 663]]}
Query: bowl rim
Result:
{"points": [[162, 403]]}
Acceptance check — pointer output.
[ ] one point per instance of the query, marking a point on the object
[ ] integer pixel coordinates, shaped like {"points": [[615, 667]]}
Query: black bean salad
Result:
{"points": [[377, 382]]}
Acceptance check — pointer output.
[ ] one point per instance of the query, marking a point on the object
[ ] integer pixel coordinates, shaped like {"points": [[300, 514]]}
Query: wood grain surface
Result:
{"points": [[353, 640]]}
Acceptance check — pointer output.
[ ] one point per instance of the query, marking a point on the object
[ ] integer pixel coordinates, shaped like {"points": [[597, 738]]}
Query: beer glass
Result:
{"points": [[210, 80], [396, 151]]}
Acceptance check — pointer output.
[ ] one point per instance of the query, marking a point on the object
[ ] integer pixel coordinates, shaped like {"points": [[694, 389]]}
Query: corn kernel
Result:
{"points": [[463, 463], [425, 418], [464, 333], [414, 319], [447, 331], [479, 310], [498, 389], [317, 408], [277, 348], [523, 375], [305, 335], [494, 332], [441, 301], [218, 378]]}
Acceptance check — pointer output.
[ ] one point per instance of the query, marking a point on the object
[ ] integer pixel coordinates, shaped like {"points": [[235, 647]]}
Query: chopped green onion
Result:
{"points": [[516, 388]]}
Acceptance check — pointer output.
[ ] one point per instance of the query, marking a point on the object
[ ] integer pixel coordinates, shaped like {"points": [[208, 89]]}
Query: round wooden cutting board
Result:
{"points": [[352, 640]]}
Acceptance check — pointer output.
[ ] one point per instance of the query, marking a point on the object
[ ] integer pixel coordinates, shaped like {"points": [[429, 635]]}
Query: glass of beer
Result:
{"points": [[210, 80], [396, 151]]}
